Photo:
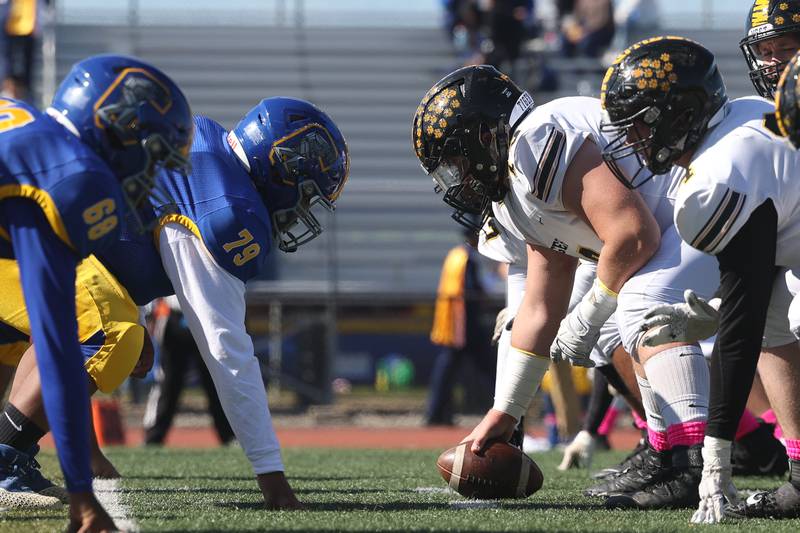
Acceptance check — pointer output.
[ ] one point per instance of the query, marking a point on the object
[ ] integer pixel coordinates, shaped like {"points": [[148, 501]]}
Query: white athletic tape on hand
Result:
{"points": [[523, 477], [458, 465]]}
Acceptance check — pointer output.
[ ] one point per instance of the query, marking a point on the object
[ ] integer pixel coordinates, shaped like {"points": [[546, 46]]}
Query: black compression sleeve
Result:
{"points": [[599, 402], [747, 271], [613, 378]]}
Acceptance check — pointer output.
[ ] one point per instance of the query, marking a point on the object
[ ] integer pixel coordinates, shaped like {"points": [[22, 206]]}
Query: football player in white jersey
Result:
{"points": [[736, 203], [541, 173]]}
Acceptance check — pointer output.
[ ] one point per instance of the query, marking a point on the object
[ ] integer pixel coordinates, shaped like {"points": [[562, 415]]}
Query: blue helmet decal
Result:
{"points": [[132, 115], [298, 160]]}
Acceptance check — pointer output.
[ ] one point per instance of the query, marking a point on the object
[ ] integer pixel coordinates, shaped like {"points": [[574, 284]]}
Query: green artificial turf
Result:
{"points": [[180, 490]]}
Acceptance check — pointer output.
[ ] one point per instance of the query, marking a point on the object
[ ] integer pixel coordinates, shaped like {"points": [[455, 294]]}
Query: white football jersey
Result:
{"points": [[541, 150], [737, 167]]}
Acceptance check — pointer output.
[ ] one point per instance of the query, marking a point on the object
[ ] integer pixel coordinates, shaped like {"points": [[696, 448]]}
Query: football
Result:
{"points": [[502, 471]]}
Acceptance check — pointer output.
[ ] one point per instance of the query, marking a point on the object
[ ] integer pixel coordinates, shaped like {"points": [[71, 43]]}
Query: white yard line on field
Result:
{"points": [[109, 494]]}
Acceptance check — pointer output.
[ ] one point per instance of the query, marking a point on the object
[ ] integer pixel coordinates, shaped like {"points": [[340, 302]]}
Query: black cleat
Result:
{"points": [[634, 460], [654, 466], [677, 490], [759, 453], [783, 502]]}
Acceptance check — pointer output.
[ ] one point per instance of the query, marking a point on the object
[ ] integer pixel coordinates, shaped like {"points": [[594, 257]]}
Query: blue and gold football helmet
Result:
{"points": [[298, 160], [132, 115]]}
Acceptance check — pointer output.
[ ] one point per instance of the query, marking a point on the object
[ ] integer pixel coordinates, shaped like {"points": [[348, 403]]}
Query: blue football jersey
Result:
{"points": [[40, 160], [217, 201]]}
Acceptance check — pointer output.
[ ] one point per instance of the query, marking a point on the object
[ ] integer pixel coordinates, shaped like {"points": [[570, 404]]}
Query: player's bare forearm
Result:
{"points": [[548, 286]]}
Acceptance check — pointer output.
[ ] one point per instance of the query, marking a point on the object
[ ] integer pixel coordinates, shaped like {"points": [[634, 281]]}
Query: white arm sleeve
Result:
{"points": [[212, 301]]}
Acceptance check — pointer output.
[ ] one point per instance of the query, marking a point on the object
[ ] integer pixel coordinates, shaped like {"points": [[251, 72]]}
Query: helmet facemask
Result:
{"points": [[472, 170], [765, 75], [298, 224], [768, 20], [656, 139]]}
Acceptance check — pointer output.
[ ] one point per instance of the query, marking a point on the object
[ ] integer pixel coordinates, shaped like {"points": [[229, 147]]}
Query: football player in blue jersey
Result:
{"points": [[257, 186], [114, 121]]}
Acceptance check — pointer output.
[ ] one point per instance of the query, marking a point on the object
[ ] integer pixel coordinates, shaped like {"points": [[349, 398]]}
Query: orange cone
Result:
{"points": [[108, 422]]}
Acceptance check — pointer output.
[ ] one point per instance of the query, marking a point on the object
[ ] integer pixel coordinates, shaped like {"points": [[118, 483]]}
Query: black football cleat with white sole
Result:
{"points": [[783, 502], [654, 466], [677, 490]]}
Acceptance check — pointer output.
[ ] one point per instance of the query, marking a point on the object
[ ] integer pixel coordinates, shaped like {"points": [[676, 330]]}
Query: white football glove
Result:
{"points": [[580, 329], [689, 322], [716, 485], [574, 341], [579, 452]]}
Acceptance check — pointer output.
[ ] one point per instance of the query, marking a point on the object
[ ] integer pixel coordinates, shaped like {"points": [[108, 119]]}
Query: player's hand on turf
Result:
{"points": [[278, 495], [692, 321], [579, 452], [716, 485], [102, 467], [495, 425], [86, 515], [575, 340]]}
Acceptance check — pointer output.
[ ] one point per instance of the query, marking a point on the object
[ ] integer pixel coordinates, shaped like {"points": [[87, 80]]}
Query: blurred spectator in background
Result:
{"points": [[589, 29], [177, 354], [463, 22], [635, 20], [19, 19], [507, 23], [457, 328]]}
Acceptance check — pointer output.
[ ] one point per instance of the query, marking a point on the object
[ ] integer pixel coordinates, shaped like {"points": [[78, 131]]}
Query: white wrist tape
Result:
{"points": [[716, 452], [598, 304], [522, 374]]}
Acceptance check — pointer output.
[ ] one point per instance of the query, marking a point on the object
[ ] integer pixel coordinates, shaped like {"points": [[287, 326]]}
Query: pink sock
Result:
{"points": [[686, 433], [769, 417], [747, 424], [638, 421], [658, 440], [608, 421], [793, 449]]}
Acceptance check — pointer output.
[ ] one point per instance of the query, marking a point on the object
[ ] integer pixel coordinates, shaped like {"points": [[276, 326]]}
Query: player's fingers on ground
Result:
{"points": [[718, 503], [699, 515]]}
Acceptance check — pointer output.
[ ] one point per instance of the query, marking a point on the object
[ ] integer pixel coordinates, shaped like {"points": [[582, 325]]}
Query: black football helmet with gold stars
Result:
{"points": [[461, 134], [768, 19], [787, 103], [658, 97]]}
